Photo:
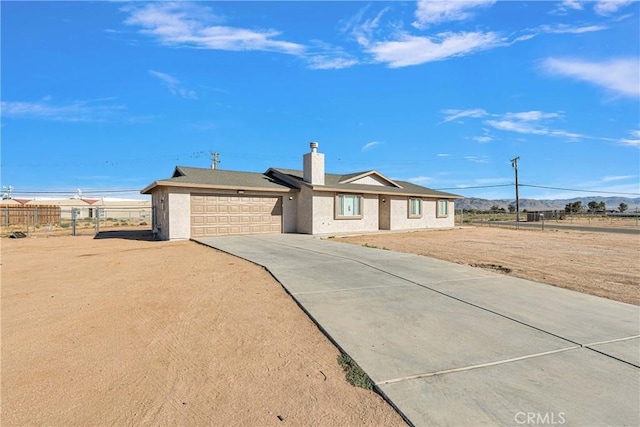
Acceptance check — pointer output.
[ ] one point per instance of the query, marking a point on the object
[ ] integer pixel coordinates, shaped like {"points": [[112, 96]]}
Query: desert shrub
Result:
{"points": [[354, 373]]}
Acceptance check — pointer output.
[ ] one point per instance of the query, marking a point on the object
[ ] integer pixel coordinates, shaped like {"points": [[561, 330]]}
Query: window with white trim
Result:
{"points": [[415, 207], [443, 209], [348, 206]]}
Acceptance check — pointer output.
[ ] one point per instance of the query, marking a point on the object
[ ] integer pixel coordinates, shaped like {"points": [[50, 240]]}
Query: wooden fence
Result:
{"points": [[30, 216]]}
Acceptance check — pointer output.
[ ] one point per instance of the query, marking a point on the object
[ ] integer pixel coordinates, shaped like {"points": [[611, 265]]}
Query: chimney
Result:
{"points": [[313, 163]]}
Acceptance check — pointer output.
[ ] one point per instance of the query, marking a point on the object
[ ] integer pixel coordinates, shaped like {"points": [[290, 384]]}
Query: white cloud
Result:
{"points": [[322, 62], [420, 179], [458, 114], [436, 11], [477, 159], [185, 24], [618, 178], [174, 85], [532, 116], [74, 111], [529, 122], [619, 75], [370, 145], [414, 50], [609, 7], [571, 29], [323, 56], [567, 5], [572, 4], [634, 141], [443, 155], [514, 126], [483, 139]]}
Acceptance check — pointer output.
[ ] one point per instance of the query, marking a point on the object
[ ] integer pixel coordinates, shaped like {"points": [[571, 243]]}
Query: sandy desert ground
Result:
{"points": [[602, 264], [125, 332], [128, 332]]}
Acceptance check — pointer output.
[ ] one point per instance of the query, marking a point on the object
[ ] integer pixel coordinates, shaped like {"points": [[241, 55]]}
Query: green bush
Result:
{"points": [[354, 373]]}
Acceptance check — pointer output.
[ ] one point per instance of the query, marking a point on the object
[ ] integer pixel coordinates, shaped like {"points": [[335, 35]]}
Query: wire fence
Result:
{"points": [[73, 220], [559, 217]]}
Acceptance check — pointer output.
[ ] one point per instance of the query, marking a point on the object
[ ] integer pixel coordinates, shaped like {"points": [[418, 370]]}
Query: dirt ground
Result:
{"points": [[602, 264], [128, 332]]}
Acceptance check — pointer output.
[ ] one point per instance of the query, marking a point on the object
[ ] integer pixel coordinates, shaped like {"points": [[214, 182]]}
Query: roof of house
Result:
{"points": [[335, 182], [215, 178], [283, 180]]}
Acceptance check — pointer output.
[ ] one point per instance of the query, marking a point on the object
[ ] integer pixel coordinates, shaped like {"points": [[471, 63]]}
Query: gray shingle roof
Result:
{"points": [[333, 181], [269, 181], [216, 178]]}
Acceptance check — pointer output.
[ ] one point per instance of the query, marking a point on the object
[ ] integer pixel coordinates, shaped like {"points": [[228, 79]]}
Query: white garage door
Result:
{"points": [[219, 215]]}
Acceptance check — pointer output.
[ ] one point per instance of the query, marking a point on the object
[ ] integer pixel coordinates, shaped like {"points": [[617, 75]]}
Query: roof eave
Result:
{"points": [[147, 190], [369, 173], [385, 193]]}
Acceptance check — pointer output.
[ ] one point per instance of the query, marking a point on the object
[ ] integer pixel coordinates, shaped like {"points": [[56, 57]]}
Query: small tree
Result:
{"points": [[576, 206], [593, 206], [602, 207], [623, 207], [512, 209]]}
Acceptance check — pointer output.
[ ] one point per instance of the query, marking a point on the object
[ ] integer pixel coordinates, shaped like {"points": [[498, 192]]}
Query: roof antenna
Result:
{"points": [[214, 160]]}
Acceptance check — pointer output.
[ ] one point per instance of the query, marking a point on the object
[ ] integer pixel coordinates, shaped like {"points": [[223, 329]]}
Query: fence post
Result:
{"points": [[97, 220], [73, 221], [6, 215]]}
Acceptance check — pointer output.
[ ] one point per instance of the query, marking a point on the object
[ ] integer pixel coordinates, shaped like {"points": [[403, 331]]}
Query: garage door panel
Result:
{"points": [[216, 215]]}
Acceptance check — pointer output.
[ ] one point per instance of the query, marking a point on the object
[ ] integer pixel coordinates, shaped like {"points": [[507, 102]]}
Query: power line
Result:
{"points": [[475, 186], [582, 191], [75, 191]]}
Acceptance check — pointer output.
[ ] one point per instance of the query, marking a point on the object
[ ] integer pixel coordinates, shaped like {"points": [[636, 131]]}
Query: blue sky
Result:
{"points": [[114, 95]]}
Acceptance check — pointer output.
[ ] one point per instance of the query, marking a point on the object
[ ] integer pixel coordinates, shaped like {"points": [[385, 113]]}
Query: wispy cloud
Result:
{"points": [[477, 159], [370, 145], [431, 12], [570, 29], [609, 7], [601, 7], [483, 139], [73, 111], [451, 115], [174, 85], [532, 116], [322, 56], [620, 76], [409, 50], [420, 179], [530, 122], [618, 178], [633, 141], [565, 6], [182, 24]]}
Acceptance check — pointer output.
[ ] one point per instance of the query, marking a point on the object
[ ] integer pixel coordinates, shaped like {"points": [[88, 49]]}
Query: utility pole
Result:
{"points": [[214, 160], [514, 164]]}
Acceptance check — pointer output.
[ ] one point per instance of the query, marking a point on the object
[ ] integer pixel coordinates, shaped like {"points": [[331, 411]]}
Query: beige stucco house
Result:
{"points": [[198, 202]]}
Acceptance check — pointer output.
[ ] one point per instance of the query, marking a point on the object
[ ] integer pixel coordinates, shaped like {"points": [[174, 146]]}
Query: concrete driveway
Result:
{"points": [[454, 345]]}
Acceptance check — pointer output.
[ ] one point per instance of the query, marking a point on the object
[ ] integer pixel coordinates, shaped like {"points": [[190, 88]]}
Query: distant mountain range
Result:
{"points": [[545, 205]]}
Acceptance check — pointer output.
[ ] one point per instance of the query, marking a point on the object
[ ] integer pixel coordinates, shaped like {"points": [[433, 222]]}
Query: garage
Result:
{"points": [[221, 215]]}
